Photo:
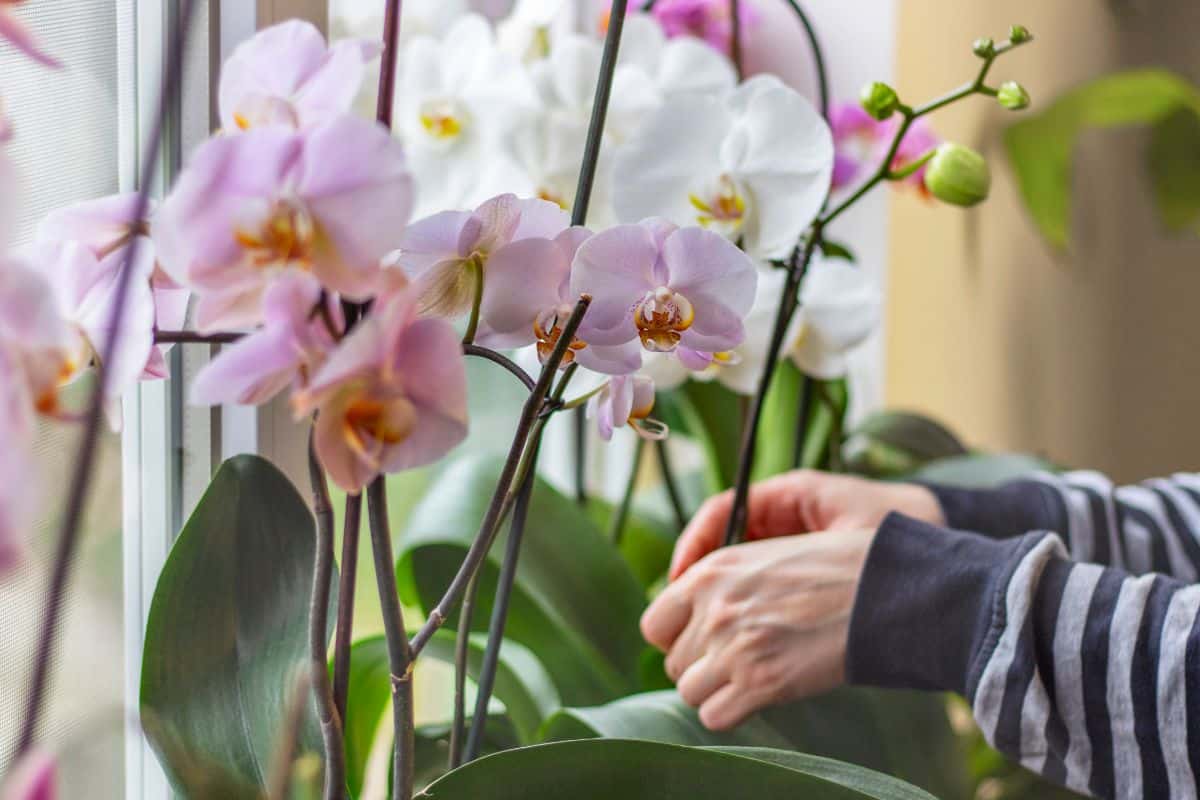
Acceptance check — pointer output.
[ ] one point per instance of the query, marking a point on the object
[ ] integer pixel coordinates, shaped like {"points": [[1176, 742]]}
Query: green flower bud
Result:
{"points": [[984, 48], [1012, 96], [958, 175], [879, 100], [1019, 34]]}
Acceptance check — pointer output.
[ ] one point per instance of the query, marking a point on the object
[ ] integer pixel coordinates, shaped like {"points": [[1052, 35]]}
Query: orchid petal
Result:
{"points": [[19, 35], [616, 267], [524, 279], [33, 777]]}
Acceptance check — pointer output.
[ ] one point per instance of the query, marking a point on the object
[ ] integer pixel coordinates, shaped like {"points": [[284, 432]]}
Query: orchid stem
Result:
{"points": [[462, 646], [735, 37], [345, 608], [68, 539], [818, 55], [616, 527], [400, 655], [318, 632], [530, 414], [803, 412], [671, 483], [387, 63], [579, 432], [476, 302], [193, 337]]}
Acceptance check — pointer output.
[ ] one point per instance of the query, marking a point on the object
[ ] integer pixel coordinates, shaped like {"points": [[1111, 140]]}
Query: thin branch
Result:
{"points": [[616, 525], [579, 433], [400, 655], [803, 412], [194, 337], [462, 647], [735, 37], [387, 63], [814, 42], [318, 632], [498, 358], [352, 521], [68, 539], [671, 483], [491, 520]]}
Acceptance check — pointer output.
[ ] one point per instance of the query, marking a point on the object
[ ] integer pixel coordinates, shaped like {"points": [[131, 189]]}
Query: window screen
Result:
{"points": [[74, 139]]}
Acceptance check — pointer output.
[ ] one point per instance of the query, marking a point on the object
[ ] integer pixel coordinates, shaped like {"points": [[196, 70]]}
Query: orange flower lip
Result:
{"points": [[661, 318]]}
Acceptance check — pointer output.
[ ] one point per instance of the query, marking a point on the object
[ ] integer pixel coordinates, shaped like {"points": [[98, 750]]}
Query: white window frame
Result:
{"points": [[169, 450]]}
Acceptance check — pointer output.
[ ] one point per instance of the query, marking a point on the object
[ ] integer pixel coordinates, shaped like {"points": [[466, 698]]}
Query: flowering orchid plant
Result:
{"points": [[599, 189]]}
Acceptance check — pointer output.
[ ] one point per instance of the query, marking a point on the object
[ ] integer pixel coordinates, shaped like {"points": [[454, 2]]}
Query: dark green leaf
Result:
{"points": [[229, 624], [893, 443], [368, 700], [1040, 147], [714, 416], [1174, 163], [602, 769], [981, 471], [837, 250], [868, 782], [646, 543], [903, 734], [576, 604], [433, 747]]}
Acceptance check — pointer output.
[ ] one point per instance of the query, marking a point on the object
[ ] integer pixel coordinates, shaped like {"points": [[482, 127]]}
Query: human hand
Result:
{"points": [[760, 623], [800, 502]]}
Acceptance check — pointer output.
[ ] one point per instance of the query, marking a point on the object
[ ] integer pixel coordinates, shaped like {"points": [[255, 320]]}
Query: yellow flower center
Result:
{"points": [[721, 207], [442, 120], [661, 317], [284, 238], [370, 423]]}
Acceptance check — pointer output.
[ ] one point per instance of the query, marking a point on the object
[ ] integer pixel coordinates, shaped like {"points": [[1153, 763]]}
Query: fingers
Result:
{"points": [[702, 679], [776, 508], [668, 615], [729, 706]]}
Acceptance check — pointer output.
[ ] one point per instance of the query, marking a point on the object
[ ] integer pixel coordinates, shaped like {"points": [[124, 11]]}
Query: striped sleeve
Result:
{"points": [[1153, 526], [1086, 674]]}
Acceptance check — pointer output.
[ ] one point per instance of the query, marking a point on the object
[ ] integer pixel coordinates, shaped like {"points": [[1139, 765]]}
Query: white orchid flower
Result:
{"points": [[754, 165], [457, 98], [533, 27]]}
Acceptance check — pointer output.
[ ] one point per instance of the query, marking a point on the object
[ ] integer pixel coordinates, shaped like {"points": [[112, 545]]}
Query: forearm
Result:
{"points": [[1087, 675]]}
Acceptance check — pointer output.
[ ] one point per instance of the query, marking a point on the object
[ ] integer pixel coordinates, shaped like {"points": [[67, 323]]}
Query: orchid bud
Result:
{"points": [[1019, 34], [879, 100], [1013, 96], [958, 175], [984, 47]]}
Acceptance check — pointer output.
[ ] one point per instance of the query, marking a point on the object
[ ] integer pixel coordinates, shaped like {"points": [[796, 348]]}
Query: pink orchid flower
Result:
{"points": [[679, 290], [18, 34], [16, 468], [391, 397], [708, 20], [106, 226], [287, 75], [31, 778], [626, 400], [331, 201], [861, 143], [290, 347], [528, 299], [442, 253]]}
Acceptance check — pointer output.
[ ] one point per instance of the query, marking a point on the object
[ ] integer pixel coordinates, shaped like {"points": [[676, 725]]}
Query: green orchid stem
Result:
{"points": [[616, 527], [806, 399], [318, 632], [476, 267], [531, 417], [462, 641], [671, 483], [400, 654], [352, 522], [910, 169], [81, 476]]}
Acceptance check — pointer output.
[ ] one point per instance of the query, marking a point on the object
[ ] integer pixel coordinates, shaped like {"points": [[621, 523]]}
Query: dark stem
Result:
{"points": [[387, 63], [345, 609], [735, 37], [318, 632], [504, 587], [192, 337], [487, 530], [671, 483], [616, 525], [504, 361], [814, 42], [803, 412], [788, 303], [462, 647], [595, 134], [68, 539], [579, 430], [400, 655]]}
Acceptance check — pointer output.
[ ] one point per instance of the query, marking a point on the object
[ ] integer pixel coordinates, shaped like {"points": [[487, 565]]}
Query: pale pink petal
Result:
{"points": [[33, 777], [360, 353], [99, 225], [616, 267], [341, 462], [718, 279], [493, 225], [233, 309], [541, 219], [620, 359], [18, 34], [601, 411], [355, 184], [250, 372], [694, 360], [621, 398], [333, 87], [431, 241], [524, 279], [274, 63]]}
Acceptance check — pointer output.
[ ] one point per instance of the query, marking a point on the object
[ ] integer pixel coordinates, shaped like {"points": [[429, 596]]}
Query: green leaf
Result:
{"points": [[893, 443], [647, 543], [714, 417], [575, 604], [905, 734], [837, 250], [1041, 146], [982, 471], [1173, 159], [775, 452], [868, 782], [366, 702], [601, 769], [433, 747], [229, 624]]}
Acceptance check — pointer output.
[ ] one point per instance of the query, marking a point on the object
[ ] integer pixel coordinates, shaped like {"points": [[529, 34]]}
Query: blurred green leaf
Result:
{"points": [[433, 747], [1041, 146], [575, 604], [602, 769], [905, 734], [229, 624], [1174, 163], [714, 418], [776, 447], [981, 470], [837, 250], [646, 544], [893, 443]]}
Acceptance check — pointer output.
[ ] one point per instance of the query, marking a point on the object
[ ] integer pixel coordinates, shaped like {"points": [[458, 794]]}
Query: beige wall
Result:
{"points": [[1090, 359]]}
